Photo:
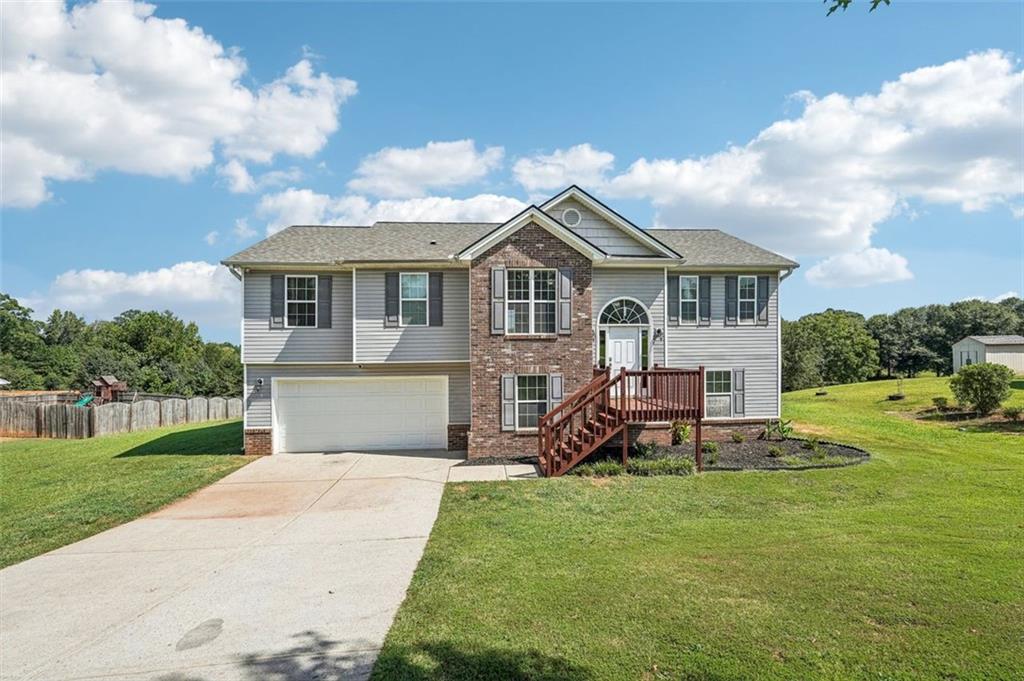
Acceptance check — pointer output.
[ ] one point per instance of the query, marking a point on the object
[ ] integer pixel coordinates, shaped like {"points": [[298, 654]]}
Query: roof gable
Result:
{"points": [[574, 197], [532, 214]]}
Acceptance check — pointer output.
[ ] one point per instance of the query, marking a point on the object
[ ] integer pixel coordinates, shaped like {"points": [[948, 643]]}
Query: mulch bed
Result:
{"points": [[753, 455], [498, 461]]}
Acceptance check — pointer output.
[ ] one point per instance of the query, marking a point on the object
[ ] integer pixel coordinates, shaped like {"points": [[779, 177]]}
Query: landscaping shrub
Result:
{"points": [[776, 428], [737, 436], [941, 403], [680, 432], [710, 450], [809, 443], [645, 450], [982, 386], [775, 451], [599, 469], [1012, 413], [666, 466]]}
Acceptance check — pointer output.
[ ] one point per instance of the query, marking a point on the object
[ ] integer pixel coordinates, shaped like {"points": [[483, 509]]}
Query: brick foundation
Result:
{"points": [[491, 356], [458, 437], [259, 441]]}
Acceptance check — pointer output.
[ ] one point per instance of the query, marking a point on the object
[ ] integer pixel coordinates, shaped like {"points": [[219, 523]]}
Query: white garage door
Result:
{"points": [[346, 414]]}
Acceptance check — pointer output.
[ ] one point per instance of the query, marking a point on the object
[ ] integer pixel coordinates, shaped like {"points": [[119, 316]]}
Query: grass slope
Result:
{"points": [[55, 492], [910, 566]]}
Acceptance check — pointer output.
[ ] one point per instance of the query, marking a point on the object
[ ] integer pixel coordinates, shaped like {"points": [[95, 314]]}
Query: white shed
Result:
{"points": [[1005, 350]]}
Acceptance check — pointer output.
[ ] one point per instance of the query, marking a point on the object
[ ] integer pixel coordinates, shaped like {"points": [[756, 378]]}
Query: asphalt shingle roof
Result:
{"points": [[433, 241], [999, 340]]}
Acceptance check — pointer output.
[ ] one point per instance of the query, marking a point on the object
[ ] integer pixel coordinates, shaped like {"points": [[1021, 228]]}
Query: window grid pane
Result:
{"points": [[300, 301], [301, 314], [544, 318], [718, 382], [531, 400], [414, 312], [688, 288], [519, 285], [414, 286], [519, 318], [544, 285], [301, 288]]}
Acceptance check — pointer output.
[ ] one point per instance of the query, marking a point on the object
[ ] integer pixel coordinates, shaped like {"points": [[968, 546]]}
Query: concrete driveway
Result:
{"points": [[290, 568]]}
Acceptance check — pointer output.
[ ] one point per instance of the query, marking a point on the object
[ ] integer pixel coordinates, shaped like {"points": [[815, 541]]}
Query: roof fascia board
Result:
{"points": [[611, 216], [532, 214]]}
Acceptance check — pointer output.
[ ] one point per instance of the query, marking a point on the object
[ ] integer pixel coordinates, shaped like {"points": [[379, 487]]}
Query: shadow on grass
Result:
{"points": [[315, 656], [995, 427], [1017, 384], [219, 438]]}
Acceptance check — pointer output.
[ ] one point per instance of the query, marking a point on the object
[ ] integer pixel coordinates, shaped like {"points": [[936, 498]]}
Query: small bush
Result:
{"points": [[1012, 413], [645, 450], [599, 469], [809, 443], [666, 466], [710, 450], [982, 386], [780, 429], [775, 451], [941, 403], [738, 436], [680, 432]]}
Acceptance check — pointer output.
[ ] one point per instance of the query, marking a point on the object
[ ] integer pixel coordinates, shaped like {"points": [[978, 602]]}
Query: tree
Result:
{"points": [[64, 328], [844, 4], [983, 387], [826, 348], [801, 357]]}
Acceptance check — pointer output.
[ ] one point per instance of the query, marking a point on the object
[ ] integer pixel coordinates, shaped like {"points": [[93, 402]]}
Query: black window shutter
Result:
{"points": [[673, 299], [324, 284], [391, 299], [704, 286], [739, 402], [762, 300], [498, 301], [565, 300], [508, 402], [277, 301], [436, 296], [731, 293]]}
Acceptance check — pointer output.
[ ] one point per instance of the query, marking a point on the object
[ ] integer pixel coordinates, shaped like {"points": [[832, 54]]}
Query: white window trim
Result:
{"points": [[402, 299], [546, 401], [732, 389], [696, 301], [315, 301], [531, 302], [740, 299]]}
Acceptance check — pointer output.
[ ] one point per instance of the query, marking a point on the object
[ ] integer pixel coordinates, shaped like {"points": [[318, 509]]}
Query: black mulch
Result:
{"points": [[754, 455], [498, 460]]}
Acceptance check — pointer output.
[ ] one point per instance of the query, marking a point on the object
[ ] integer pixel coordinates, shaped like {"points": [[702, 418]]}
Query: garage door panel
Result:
{"points": [[377, 413]]}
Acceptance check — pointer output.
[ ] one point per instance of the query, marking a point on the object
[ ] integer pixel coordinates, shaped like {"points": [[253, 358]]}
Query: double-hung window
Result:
{"points": [[531, 400], [300, 301], [413, 299], [748, 299], [688, 294], [718, 393], [531, 301]]}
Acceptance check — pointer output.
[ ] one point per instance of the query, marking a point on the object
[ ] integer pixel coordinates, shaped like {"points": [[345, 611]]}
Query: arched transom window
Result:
{"points": [[624, 311]]}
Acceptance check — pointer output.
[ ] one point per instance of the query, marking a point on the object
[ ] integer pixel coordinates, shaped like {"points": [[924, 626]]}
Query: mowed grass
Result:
{"points": [[54, 492], [910, 566]]}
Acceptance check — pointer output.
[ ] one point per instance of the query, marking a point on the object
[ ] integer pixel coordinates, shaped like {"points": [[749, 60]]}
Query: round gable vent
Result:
{"points": [[571, 217]]}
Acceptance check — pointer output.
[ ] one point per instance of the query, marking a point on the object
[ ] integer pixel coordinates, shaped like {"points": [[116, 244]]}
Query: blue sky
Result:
{"points": [[140, 150]]}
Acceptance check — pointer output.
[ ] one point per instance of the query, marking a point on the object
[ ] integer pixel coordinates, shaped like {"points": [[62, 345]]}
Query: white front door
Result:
{"points": [[623, 349]]}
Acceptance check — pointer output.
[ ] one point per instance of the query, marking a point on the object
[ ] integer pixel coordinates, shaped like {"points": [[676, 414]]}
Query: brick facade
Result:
{"points": [[491, 356], [458, 437], [258, 441]]}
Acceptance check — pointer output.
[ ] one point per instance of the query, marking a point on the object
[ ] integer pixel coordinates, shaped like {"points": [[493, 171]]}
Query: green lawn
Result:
{"points": [[910, 566], [54, 492]]}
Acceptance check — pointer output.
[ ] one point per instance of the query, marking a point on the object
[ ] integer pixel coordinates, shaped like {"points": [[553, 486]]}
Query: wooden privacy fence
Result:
{"points": [[20, 419]]}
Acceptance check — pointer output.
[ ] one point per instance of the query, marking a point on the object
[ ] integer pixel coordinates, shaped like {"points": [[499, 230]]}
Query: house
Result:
{"points": [[464, 335], [1005, 350]]}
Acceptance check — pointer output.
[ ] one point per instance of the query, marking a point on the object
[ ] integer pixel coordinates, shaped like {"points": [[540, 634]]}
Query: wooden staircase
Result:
{"points": [[605, 407]]}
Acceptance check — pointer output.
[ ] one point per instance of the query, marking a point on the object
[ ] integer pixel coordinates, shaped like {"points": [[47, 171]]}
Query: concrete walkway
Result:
{"points": [[290, 568], [493, 472]]}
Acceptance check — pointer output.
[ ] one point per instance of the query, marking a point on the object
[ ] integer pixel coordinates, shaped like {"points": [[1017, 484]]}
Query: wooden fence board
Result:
{"points": [[198, 409], [18, 419], [64, 421], [114, 417], [145, 415], [173, 412], [218, 408], [235, 408]]}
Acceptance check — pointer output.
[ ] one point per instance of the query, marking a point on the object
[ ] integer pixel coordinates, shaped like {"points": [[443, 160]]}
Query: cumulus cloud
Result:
{"points": [[582, 165], [242, 230], [150, 96], [199, 291], [305, 207], [396, 172], [863, 268], [239, 181], [211, 237]]}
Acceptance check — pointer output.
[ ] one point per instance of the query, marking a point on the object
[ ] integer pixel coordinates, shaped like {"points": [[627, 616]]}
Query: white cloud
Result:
{"points": [[821, 183], [582, 165], [195, 291], [863, 268], [242, 230], [306, 207], [211, 237], [1003, 296], [239, 180], [394, 172], [150, 96]]}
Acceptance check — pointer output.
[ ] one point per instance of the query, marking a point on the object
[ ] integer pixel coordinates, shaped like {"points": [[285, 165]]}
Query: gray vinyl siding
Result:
{"points": [[645, 285], [752, 348], [263, 344], [257, 404], [600, 232], [377, 343]]}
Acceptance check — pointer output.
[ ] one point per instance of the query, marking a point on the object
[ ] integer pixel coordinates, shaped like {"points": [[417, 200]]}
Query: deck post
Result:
{"points": [[698, 453]]}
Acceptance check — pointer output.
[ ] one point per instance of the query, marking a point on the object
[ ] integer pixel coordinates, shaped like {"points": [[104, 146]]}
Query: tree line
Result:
{"points": [[838, 346], [151, 351]]}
